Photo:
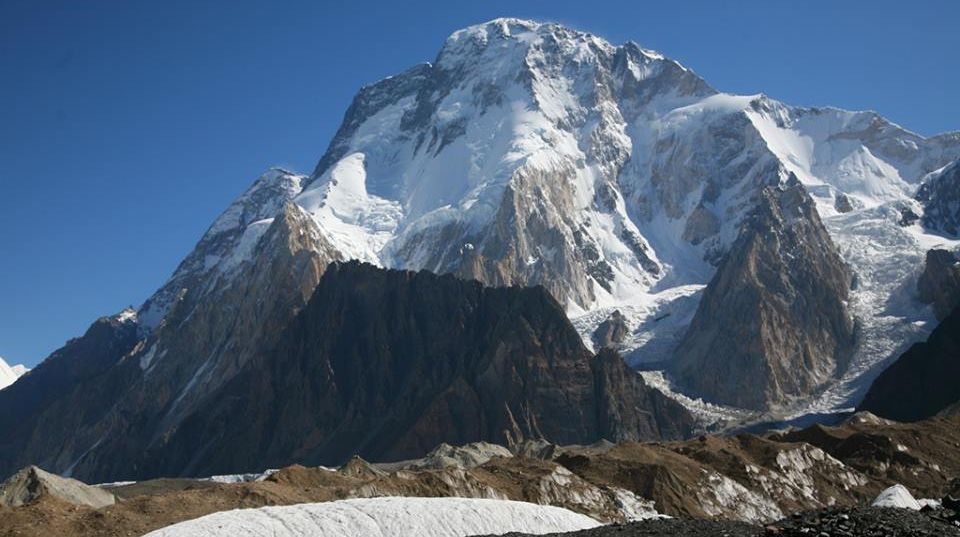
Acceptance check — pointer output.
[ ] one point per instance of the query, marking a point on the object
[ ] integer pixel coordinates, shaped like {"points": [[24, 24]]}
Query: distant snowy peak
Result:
{"points": [[9, 374]]}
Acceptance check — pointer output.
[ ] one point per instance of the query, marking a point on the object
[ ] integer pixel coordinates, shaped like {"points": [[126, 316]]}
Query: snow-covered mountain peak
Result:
{"points": [[529, 153]]}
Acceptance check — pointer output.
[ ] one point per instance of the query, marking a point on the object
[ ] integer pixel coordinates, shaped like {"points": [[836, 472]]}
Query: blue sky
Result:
{"points": [[126, 127]]}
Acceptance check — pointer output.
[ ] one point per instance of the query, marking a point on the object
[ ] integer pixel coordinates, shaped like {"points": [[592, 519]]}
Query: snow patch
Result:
{"points": [[897, 496], [385, 517]]}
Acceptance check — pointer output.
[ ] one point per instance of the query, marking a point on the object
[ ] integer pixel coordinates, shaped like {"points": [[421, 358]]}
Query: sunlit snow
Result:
{"points": [[385, 517]]}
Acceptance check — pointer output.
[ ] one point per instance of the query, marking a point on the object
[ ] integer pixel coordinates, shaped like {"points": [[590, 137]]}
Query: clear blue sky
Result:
{"points": [[126, 127]]}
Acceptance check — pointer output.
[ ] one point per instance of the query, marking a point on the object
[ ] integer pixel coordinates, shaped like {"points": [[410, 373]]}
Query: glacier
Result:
{"points": [[385, 517]]}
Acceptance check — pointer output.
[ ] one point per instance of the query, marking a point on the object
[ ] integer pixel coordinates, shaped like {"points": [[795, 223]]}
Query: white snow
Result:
{"points": [[240, 478], [719, 496], [356, 222], [385, 517], [9, 374], [897, 496]]}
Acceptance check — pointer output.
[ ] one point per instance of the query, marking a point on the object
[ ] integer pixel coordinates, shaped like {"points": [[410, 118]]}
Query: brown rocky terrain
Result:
{"points": [[745, 478], [924, 456]]}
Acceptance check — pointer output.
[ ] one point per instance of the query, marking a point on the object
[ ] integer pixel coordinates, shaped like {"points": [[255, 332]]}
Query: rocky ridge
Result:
{"points": [[388, 364], [773, 323]]}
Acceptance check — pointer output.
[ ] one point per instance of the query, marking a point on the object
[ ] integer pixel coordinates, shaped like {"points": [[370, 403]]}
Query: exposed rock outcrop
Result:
{"points": [[924, 381], [773, 323], [611, 332], [33, 484], [939, 283], [940, 196]]}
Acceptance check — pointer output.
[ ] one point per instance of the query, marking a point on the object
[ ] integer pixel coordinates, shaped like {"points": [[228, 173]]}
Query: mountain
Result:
{"points": [[532, 154], [615, 177], [923, 381], [384, 363], [773, 322], [618, 179], [9, 374]]}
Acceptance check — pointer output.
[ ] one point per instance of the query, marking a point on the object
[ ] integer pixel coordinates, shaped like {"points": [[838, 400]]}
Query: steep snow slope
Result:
{"points": [[9, 374], [385, 517]]}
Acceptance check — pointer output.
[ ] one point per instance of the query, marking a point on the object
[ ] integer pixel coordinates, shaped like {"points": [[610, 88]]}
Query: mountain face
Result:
{"points": [[940, 196], [50, 415], [532, 154], [773, 323], [923, 381], [9, 374], [388, 364], [939, 283]]}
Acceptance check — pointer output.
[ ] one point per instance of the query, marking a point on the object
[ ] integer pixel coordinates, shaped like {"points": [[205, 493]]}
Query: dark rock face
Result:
{"points": [[842, 203], [611, 332], [939, 284], [908, 216], [772, 323], [41, 407], [924, 380], [940, 196], [387, 364], [94, 407]]}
